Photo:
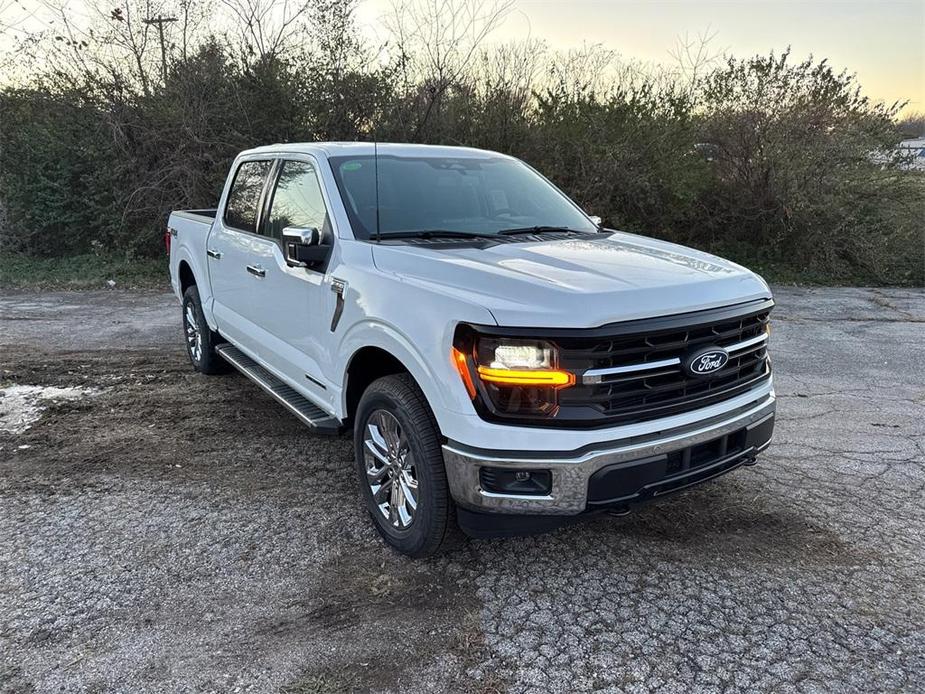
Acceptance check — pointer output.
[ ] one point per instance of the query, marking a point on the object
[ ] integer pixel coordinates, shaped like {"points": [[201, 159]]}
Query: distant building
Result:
{"points": [[914, 150], [909, 154]]}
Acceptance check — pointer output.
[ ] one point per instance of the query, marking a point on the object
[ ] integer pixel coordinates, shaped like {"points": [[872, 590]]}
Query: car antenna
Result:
{"points": [[376, 176]]}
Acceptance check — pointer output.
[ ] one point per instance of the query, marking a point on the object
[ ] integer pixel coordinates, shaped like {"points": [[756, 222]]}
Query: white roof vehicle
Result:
{"points": [[504, 362]]}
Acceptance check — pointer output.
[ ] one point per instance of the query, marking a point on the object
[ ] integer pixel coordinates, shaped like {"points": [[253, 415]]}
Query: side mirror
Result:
{"points": [[303, 248], [594, 218]]}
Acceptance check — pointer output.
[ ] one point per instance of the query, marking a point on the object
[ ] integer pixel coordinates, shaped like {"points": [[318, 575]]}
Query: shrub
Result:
{"points": [[776, 163], [793, 179]]}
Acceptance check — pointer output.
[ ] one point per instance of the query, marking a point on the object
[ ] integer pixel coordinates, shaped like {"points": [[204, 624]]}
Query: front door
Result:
{"points": [[293, 305]]}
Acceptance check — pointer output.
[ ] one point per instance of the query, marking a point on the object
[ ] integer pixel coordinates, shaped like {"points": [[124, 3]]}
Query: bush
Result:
{"points": [[777, 164], [58, 173], [793, 179]]}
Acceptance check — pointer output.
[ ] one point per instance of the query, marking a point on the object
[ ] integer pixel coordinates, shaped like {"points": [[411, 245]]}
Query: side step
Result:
{"points": [[295, 402]]}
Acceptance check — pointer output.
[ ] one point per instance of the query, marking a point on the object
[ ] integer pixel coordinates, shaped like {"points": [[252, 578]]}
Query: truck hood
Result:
{"points": [[575, 282]]}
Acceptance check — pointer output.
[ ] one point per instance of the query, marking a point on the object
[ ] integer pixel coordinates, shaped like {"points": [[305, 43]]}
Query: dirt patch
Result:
{"points": [[200, 512]]}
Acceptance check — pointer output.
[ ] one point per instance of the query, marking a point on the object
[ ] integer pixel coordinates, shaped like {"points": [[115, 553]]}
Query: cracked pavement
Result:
{"points": [[181, 533]]}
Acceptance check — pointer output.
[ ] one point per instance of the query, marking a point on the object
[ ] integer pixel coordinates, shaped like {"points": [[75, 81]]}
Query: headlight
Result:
{"points": [[516, 376], [516, 355], [520, 363]]}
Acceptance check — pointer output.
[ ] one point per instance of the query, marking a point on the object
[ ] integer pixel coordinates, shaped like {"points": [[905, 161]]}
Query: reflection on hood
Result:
{"points": [[576, 281]]}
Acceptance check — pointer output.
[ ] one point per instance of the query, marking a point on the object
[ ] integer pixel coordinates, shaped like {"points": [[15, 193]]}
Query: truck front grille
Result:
{"points": [[633, 372]]}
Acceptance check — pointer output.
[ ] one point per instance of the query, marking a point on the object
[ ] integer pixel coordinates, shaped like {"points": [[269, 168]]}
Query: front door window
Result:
{"points": [[297, 201]]}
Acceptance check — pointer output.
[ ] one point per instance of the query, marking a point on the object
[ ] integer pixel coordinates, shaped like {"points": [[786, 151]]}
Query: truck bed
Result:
{"points": [[196, 215], [187, 235]]}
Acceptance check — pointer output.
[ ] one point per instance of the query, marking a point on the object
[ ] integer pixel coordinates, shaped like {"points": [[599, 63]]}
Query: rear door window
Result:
{"points": [[244, 196]]}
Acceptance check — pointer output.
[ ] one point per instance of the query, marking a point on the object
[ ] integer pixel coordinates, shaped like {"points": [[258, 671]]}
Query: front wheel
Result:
{"points": [[400, 464]]}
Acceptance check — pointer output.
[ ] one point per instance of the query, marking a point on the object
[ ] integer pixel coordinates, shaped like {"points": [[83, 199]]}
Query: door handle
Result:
{"points": [[214, 254], [256, 270]]}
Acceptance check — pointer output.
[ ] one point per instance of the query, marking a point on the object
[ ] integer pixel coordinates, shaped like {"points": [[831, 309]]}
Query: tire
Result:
{"points": [[419, 454], [200, 340]]}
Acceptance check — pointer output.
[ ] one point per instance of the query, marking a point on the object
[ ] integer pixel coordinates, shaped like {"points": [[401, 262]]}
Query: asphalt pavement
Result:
{"points": [[161, 531]]}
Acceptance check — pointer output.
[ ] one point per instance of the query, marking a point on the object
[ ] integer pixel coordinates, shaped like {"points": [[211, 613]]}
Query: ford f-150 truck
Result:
{"points": [[505, 364]]}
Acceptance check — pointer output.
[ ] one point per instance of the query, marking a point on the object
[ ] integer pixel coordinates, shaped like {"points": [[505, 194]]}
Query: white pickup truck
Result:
{"points": [[505, 364]]}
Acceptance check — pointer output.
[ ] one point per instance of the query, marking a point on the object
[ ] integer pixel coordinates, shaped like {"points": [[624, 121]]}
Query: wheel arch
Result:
{"points": [[189, 272], [419, 357], [186, 276], [367, 364]]}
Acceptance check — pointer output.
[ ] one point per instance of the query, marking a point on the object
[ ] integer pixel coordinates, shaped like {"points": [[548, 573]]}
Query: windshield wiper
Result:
{"points": [[435, 234], [455, 234], [535, 230]]}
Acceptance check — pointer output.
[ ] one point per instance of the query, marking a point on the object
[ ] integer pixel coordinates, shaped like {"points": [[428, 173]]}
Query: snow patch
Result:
{"points": [[22, 406]]}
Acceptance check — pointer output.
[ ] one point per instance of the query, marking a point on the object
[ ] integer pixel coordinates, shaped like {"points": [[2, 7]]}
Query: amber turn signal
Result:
{"points": [[462, 366], [513, 377]]}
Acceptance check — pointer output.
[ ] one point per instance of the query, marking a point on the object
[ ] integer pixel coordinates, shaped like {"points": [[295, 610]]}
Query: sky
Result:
{"points": [[882, 42]]}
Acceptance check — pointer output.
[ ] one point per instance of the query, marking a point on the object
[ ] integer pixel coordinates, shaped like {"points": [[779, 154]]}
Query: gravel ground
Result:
{"points": [[172, 532]]}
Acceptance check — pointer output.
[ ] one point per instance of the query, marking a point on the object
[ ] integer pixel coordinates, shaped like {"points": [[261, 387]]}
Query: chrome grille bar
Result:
{"points": [[597, 375], [747, 343], [593, 376]]}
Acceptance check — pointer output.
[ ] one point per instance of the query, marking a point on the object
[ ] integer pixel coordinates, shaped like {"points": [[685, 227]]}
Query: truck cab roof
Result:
{"points": [[337, 149]]}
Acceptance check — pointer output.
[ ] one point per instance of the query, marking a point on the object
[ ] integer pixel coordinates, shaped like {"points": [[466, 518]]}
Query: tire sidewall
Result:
{"points": [[191, 298], [415, 539]]}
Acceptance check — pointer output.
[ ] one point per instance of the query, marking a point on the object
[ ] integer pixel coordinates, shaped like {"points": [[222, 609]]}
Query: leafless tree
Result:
{"points": [[267, 26], [694, 56], [97, 37], [437, 42], [583, 71], [912, 125], [444, 35], [512, 68], [333, 34], [14, 14]]}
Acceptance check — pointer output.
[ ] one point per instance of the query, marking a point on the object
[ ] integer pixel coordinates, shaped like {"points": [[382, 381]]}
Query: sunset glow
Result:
{"points": [[882, 42]]}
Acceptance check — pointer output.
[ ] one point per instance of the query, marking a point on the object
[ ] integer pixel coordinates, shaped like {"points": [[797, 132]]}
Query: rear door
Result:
{"points": [[234, 248], [293, 305]]}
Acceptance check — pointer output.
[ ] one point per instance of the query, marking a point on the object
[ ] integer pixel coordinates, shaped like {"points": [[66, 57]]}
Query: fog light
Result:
{"points": [[524, 482]]}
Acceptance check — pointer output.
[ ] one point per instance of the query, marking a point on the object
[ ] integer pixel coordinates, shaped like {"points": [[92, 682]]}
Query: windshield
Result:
{"points": [[443, 194]]}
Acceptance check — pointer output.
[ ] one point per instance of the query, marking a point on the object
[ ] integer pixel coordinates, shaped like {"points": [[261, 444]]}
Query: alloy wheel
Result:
{"points": [[390, 469], [193, 334]]}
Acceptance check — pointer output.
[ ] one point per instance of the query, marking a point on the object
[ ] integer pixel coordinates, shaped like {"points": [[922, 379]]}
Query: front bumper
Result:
{"points": [[618, 473]]}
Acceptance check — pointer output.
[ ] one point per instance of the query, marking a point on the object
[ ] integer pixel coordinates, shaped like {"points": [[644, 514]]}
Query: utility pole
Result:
{"points": [[159, 22]]}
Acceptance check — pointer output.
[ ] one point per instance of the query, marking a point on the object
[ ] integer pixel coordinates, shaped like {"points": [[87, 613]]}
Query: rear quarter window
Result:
{"points": [[244, 196]]}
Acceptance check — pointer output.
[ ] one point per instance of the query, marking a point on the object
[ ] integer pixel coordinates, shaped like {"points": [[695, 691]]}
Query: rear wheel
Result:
{"points": [[400, 464], [199, 338]]}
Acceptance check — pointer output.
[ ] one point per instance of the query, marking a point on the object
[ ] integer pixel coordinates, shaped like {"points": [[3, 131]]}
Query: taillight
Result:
{"points": [[167, 235]]}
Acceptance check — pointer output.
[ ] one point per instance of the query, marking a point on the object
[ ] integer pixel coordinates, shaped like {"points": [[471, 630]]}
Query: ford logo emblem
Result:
{"points": [[705, 362]]}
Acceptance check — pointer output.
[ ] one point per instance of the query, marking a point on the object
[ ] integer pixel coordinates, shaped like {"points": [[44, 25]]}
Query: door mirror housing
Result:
{"points": [[594, 218], [302, 247]]}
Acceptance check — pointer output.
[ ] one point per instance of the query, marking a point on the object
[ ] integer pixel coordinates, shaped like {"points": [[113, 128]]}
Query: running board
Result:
{"points": [[295, 402]]}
